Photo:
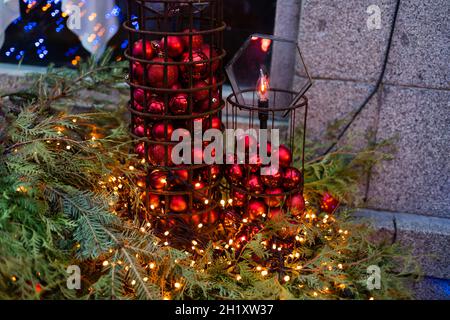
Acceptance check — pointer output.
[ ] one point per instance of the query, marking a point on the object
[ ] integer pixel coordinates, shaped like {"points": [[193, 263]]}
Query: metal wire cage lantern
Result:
{"points": [[176, 77], [263, 98]]}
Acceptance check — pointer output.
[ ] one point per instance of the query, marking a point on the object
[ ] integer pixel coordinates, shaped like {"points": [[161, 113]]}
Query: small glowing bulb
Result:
{"points": [[152, 265], [264, 273], [200, 225], [286, 278], [68, 147], [238, 277], [166, 243], [371, 298], [105, 263], [145, 279], [315, 294], [166, 233], [340, 266], [222, 202], [206, 201], [194, 242], [133, 282], [131, 168], [259, 268], [177, 285]]}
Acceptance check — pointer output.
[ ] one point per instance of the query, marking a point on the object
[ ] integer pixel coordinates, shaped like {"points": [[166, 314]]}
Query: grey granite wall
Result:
{"points": [[413, 103]]}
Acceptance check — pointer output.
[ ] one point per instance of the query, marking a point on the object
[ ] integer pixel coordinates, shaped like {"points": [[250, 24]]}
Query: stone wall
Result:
{"points": [[413, 103]]}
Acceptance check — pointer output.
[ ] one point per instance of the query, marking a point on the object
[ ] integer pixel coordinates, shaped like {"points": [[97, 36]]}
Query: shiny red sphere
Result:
{"points": [[158, 179], [284, 156], [254, 184], [159, 130], [175, 46], [157, 154], [207, 51], [296, 204], [256, 208], [156, 106], [139, 149], [276, 200], [138, 50], [292, 178], [235, 173], [156, 74], [201, 94], [239, 198], [197, 40], [273, 180], [199, 67], [178, 203], [179, 104]]}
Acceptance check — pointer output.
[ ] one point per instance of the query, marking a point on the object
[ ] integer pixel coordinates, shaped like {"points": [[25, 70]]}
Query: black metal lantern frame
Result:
{"points": [[159, 73], [274, 106]]}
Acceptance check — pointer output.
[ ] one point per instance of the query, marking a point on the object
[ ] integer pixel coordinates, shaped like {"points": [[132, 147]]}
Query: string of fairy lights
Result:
{"points": [[293, 262]]}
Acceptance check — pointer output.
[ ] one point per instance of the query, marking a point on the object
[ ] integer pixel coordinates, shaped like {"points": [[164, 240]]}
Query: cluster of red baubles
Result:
{"points": [[266, 195], [188, 68], [175, 67]]}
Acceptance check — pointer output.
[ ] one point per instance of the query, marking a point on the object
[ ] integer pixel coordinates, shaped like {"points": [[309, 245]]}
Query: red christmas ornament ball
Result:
{"points": [[296, 204], [175, 46], [275, 214], [159, 130], [153, 201], [138, 50], [139, 131], [156, 106], [156, 74], [181, 175], [276, 200], [158, 179], [207, 51], [329, 203], [200, 192], [239, 198], [199, 67], [284, 156], [208, 104], [138, 107], [235, 173], [179, 104], [157, 155], [273, 180], [254, 163], [197, 39], [292, 178], [254, 184], [137, 71], [140, 96], [256, 208], [178, 203], [139, 149], [210, 217], [203, 93], [216, 123]]}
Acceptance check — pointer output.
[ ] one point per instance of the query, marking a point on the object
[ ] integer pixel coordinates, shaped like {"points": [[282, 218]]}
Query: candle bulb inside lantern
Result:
{"points": [[263, 98]]}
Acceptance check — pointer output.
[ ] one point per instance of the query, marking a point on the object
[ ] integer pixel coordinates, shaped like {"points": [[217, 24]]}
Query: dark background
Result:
{"points": [[61, 47]]}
